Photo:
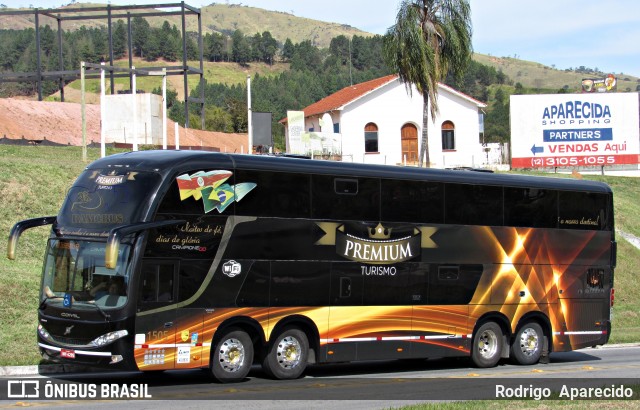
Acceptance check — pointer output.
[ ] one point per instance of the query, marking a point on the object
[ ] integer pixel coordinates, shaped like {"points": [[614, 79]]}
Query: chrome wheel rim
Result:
{"points": [[487, 344], [288, 352], [231, 355], [529, 341]]}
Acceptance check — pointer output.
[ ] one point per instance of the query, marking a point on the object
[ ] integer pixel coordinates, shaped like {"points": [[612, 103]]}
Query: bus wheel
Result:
{"points": [[527, 345], [487, 345], [287, 355], [232, 356]]}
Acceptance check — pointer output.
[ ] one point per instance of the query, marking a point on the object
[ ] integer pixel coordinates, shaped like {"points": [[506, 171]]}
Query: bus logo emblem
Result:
{"points": [[231, 268]]}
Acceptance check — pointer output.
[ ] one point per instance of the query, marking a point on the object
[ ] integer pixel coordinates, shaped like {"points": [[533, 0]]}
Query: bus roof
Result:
{"points": [[169, 162]]}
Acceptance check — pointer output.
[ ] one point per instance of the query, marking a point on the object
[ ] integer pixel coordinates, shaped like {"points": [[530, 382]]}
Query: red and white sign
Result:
{"points": [[575, 130], [67, 354]]}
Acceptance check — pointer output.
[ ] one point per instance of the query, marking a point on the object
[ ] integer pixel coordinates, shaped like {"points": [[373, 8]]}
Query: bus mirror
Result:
{"points": [[22, 226], [116, 234], [111, 251]]}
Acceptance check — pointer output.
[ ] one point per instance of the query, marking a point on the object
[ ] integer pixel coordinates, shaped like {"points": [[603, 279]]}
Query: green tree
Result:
{"points": [[496, 123], [340, 48], [240, 50], [140, 35], [430, 38], [120, 40], [269, 47], [214, 46], [287, 50]]}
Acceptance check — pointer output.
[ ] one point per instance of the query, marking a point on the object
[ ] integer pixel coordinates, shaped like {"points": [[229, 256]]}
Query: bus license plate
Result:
{"points": [[67, 354]]}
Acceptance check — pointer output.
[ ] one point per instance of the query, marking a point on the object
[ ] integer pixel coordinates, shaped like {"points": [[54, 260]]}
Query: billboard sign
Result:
{"points": [[295, 121], [600, 85], [574, 130]]}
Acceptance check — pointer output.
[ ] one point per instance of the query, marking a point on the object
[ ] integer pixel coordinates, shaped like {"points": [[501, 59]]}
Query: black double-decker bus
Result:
{"points": [[177, 260]]}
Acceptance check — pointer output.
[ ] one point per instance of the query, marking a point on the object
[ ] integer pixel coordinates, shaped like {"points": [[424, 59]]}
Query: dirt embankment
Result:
{"points": [[61, 123]]}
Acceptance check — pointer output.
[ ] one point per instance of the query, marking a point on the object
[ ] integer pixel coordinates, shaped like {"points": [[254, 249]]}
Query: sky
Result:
{"points": [[602, 34]]}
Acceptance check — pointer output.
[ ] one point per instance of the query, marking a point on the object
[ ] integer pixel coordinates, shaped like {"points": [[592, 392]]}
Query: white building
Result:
{"points": [[379, 122]]}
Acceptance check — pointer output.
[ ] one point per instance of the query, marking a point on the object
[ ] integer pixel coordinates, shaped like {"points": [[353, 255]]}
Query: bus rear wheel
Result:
{"points": [[487, 345], [232, 356], [526, 347], [287, 355]]}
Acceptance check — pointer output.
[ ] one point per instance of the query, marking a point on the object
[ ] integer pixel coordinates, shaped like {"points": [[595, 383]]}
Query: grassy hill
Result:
{"points": [[529, 74], [219, 18], [539, 76], [34, 180], [226, 18]]}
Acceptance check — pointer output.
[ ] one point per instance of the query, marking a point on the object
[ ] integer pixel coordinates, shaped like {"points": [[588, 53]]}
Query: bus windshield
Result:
{"points": [[75, 276]]}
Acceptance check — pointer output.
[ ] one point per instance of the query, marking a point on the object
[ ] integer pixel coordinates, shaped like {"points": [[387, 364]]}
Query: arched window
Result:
{"points": [[371, 137], [448, 136]]}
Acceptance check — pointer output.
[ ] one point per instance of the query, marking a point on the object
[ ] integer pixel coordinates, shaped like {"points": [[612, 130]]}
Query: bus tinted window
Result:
{"points": [[299, 284], [530, 207], [327, 203], [453, 284], [412, 201], [387, 285], [158, 283], [103, 198], [254, 290], [172, 204], [190, 278], [473, 204], [277, 194], [581, 210]]}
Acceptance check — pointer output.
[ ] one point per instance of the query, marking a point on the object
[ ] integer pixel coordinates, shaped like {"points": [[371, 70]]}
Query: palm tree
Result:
{"points": [[430, 38]]}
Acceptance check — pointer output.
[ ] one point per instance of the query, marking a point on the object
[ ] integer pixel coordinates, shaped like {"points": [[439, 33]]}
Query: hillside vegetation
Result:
{"points": [[216, 18], [34, 180], [226, 18]]}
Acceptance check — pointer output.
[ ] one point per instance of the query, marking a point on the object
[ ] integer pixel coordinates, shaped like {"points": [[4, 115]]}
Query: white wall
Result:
{"points": [[390, 107], [464, 115], [118, 121]]}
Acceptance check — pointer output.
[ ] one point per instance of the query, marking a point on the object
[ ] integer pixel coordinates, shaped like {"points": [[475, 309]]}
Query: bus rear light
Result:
{"points": [[612, 297]]}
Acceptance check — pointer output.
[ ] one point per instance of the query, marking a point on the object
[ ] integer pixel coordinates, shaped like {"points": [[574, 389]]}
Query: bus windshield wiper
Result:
{"points": [[102, 312]]}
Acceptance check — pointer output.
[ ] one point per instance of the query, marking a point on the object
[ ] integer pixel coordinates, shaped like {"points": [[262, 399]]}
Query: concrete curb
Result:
{"points": [[49, 369]]}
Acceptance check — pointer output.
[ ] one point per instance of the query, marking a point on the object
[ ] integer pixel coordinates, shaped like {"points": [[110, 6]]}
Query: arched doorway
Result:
{"points": [[409, 136]]}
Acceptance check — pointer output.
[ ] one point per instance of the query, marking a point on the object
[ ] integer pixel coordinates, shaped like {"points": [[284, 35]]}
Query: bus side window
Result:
{"points": [[158, 283], [340, 198]]}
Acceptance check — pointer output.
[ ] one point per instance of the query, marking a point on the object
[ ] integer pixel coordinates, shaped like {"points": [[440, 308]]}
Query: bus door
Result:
{"points": [[155, 336]]}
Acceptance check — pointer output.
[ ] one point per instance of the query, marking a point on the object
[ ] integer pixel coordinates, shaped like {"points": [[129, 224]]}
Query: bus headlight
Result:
{"points": [[43, 333], [109, 338]]}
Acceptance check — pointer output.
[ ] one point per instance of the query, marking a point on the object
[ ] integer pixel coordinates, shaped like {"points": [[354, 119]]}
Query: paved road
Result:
{"points": [[371, 385]]}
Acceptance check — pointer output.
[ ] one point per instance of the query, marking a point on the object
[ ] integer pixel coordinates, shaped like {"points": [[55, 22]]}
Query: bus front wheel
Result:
{"points": [[526, 348], [232, 356], [487, 345], [287, 355]]}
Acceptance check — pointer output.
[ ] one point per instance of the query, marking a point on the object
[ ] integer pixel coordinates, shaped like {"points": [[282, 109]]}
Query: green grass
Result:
{"points": [[33, 182], [225, 73]]}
